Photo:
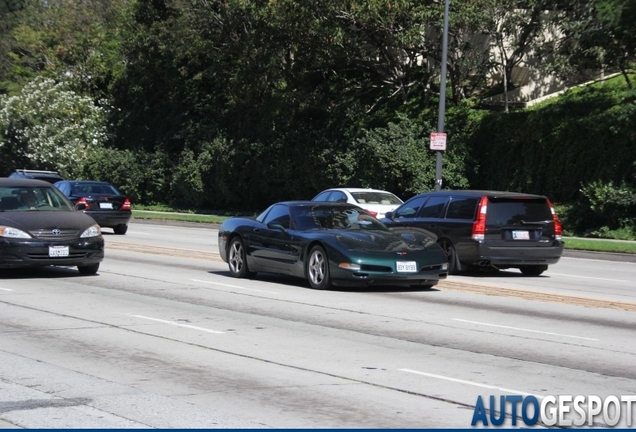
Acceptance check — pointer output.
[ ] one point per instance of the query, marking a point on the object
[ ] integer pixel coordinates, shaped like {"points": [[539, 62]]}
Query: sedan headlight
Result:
{"points": [[93, 231], [11, 232]]}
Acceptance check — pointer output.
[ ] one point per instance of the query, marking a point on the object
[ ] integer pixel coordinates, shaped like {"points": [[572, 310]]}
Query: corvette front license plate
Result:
{"points": [[406, 266], [58, 251], [521, 235]]}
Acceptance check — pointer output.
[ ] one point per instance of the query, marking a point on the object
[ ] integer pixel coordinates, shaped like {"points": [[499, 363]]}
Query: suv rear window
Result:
{"points": [[507, 211]]}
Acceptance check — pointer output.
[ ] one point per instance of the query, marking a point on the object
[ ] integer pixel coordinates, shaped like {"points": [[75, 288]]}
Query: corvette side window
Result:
{"points": [[279, 215]]}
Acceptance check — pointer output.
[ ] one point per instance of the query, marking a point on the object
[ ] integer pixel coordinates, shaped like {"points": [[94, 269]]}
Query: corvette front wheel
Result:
{"points": [[318, 269]]}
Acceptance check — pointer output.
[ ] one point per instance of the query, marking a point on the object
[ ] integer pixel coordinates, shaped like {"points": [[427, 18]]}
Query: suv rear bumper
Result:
{"points": [[512, 256]]}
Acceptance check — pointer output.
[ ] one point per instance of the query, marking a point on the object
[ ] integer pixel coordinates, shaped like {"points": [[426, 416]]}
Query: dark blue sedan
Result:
{"points": [[100, 200]]}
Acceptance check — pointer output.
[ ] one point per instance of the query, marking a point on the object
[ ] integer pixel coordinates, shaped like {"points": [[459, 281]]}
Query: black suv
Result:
{"points": [[486, 229], [49, 176]]}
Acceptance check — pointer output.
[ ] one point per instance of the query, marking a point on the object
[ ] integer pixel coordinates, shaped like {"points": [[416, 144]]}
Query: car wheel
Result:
{"points": [[533, 270], [89, 269], [120, 229], [237, 259], [318, 269], [449, 250]]}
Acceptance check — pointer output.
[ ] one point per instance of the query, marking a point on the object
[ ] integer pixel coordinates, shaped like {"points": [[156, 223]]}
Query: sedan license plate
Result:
{"points": [[521, 235], [58, 251], [108, 206], [406, 266]]}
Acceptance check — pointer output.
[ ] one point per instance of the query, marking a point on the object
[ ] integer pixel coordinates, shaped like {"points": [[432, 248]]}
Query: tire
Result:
{"points": [[120, 229], [533, 270], [317, 269], [237, 259], [449, 250], [89, 269]]}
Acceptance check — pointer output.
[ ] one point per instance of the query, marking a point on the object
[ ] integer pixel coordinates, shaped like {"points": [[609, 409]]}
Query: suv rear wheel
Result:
{"points": [[533, 270], [449, 250]]}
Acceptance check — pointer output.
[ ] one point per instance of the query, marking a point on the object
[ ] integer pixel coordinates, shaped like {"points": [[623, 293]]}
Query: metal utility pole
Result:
{"points": [[442, 99]]}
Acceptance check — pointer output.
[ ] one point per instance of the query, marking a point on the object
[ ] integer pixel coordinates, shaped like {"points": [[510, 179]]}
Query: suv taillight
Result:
{"points": [[479, 226], [558, 229], [126, 205]]}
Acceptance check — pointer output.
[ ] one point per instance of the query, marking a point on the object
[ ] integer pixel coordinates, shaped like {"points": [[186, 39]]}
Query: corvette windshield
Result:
{"points": [[335, 217]]}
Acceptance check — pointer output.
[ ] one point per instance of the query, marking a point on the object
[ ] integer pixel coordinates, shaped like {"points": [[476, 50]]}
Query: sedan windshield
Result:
{"points": [[334, 217], [18, 199]]}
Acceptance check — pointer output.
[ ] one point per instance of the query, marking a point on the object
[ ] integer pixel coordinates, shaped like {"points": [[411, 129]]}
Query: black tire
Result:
{"points": [[88, 269], [449, 250], [120, 229], [533, 270], [317, 269], [237, 259]]}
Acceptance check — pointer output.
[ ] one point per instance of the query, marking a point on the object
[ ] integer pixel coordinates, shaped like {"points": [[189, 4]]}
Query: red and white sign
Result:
{"points": [[438, 141]]}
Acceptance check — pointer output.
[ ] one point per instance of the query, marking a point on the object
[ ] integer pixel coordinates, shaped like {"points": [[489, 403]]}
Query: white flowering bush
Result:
{"points": [[49, 126]]}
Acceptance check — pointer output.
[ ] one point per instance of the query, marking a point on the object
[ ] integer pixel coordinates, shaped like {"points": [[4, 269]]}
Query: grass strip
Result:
{"points": [[596, 245]]}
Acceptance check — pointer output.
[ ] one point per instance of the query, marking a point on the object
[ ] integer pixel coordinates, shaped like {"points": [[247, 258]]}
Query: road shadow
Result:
{"points": [[50, 272], [303, 283], [496, 273]]}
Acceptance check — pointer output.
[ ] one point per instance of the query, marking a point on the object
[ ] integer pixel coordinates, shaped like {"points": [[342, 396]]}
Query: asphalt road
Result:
{"points": [[163, 337]]}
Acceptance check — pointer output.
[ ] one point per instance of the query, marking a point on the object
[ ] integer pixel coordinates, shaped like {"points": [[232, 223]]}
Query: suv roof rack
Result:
{"points": [[29, 171]]}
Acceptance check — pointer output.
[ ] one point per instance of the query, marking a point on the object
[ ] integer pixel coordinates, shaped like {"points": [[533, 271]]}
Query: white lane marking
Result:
{"points": [[233, 286], [460, 381], [5, 289], [586, 277], [178, 324], [522, 329]]}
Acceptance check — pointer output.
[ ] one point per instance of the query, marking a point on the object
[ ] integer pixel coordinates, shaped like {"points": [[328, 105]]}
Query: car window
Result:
{"points": [[322, 196], [86, 189], [462, 208], [517, 211], [433, 208], [64, 187], [261, 217], [410, 208], [33, 199], [279, 215], [335, 217], [376, 198], [338, 196]]}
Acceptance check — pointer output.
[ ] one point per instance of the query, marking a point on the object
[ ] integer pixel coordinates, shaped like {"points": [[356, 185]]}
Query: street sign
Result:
{"points": [[438, 141]]}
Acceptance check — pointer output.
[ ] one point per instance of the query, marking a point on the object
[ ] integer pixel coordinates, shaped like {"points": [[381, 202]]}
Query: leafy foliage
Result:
{"points": [[49, 126]]}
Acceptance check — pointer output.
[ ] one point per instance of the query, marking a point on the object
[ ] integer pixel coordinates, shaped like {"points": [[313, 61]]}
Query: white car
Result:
{"points": [[376, 202]]}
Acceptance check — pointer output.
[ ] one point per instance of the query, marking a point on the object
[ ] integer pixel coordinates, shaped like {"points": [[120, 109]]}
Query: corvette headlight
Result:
{"points": [[349, 266], [11, 232], [93, 231]]}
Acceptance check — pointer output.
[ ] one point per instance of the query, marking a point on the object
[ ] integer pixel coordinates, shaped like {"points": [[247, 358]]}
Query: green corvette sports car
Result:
{"points": [[328, 244]]}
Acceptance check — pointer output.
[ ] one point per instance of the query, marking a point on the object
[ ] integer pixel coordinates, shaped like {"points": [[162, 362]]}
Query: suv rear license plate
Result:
{"points": [[521, 235], [406, 266], [58, 251]]}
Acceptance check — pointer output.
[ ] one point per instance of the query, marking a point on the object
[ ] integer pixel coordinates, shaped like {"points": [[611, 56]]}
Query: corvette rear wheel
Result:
{"points": [[318, 269], [237, 260]]}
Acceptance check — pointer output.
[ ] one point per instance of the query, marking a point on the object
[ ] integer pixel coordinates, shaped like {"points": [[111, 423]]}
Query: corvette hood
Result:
{"points": [[373, 240]]}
